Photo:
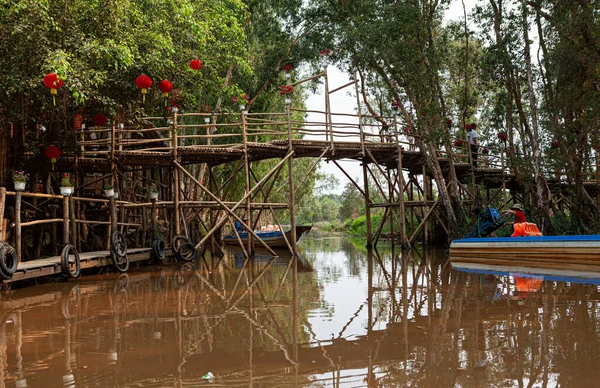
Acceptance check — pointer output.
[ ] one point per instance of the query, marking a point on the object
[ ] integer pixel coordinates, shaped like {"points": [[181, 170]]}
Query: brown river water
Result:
{"points": [[356, 318]]}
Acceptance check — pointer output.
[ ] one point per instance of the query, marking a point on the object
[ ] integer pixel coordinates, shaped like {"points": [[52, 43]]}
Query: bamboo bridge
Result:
{"points": [[179, 152]]}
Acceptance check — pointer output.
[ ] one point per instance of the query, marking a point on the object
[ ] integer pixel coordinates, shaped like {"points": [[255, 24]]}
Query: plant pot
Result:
{"points": [[288, 101], [109, 193], [153, 196], [66, 190], [19, 185], [242, 107], [116, 195], [207, 120], [288, 75]]}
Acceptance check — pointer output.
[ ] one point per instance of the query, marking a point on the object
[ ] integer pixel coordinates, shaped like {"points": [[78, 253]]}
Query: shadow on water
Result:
{"points": [[359, 318]]}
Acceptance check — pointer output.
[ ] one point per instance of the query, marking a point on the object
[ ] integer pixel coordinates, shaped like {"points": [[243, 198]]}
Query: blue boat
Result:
{"points": [[576, 253], [273, 238]]}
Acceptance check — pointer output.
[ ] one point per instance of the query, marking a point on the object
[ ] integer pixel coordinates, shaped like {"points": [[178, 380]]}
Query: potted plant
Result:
{"points": [[153, 192], [108, 190], [20, 179], [66, 185], [243, 99], [459, 143]]}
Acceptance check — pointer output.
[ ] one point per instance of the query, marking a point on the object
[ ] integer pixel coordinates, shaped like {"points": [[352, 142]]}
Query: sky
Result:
{"points": [[344, 101]]}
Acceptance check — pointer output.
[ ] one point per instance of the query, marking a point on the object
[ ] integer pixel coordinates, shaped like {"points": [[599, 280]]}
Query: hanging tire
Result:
{"points": [[3, 276], [118, 243], [181, 239], [187, 251], [121, 263], [8, 260], [66, 264], [158, 249]]}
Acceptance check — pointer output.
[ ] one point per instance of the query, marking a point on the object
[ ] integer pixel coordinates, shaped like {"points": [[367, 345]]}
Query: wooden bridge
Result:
{"points": [[178, 153]]}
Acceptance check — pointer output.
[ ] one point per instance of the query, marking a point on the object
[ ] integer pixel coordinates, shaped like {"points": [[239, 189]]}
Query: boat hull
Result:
{"points": [[580, 253], [273, 239]]}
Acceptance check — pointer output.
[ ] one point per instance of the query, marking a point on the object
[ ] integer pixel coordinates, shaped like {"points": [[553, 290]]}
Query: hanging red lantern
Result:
{"points": [[196, 64], [165, 87], [52, 153], [52, 82], [100, 120], [144, 83]]}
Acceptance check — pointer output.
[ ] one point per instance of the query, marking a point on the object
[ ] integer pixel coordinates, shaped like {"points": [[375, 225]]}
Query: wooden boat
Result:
{"points": [[262, 255], [273, 238], [577, 253]]}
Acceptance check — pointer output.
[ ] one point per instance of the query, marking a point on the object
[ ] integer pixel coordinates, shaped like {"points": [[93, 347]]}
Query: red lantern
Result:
{"points": [[100, 120], [196, 64], [449, 122], [143, 82], [52, 153], [165, 87], [52, 82]]}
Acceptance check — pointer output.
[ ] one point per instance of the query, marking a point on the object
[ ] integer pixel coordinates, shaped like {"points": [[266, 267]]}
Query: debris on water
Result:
{"points": [[209, 376]]}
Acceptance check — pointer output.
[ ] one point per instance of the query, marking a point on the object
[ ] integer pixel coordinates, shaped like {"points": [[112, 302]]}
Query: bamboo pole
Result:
{"points": [[403, 239], [249, 242], [18, 226], [176, 177], [367, 206], [2, 207], [66, 220], [292, 194], [358, 105]]}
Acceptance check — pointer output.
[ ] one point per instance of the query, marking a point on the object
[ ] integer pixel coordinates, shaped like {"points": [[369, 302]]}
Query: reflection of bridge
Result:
{"points": [[231, 324]]}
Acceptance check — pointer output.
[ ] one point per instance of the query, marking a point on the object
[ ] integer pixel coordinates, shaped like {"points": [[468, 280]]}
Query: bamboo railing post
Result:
{"points": [[65, 219], [358, 108], [153, 218], [18, 225], [425, 206], [328, 124], [176, 178], [503, 177], [2, 206], [292, 195]]}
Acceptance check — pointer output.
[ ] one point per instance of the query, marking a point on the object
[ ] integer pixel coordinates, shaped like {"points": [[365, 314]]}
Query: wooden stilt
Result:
{"points": [[292, 195], [18, 236], [2, 207], [367, 207], [65, 220], [176, 179]]}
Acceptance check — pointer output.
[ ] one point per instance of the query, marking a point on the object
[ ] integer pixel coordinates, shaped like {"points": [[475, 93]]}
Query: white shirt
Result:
{"points": [[472, 136]]}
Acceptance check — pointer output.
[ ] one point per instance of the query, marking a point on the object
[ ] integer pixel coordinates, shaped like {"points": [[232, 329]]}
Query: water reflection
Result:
{"points": [[360, 318]]}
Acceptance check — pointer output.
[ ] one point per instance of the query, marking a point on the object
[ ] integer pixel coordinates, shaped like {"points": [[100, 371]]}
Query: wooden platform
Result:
{"points": [[51, 265]]}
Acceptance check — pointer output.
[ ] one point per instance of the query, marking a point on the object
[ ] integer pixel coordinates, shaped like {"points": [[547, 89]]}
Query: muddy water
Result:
{"points": [[355, 319]]}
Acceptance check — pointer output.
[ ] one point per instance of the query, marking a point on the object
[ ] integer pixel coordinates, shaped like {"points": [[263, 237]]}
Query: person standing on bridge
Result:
{"points": [[472, 138]]}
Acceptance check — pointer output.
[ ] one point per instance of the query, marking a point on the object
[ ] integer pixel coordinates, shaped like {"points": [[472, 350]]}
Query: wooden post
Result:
{"points": [[502, 167], [153, 218], [292, 196], [401, 204], [367, 206], [176, 179], [18, 225], [113, 214], [250, 245], [73, 224], [66, 220], [360, 126], [2, 206], [144, 237], [425, 207], [328, 124]]}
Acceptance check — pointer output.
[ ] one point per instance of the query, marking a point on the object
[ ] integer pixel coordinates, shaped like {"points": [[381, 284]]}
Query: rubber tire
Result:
{"points": [[191, 248], [3, 276], [119, 265], [118, 237], [177, 238], [64, 262], [158, 249], [11, 268]]}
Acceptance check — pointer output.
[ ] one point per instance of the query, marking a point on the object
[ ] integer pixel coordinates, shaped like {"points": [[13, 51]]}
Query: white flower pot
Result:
{"points": [[19, 185], [153, 196], [288, 101], [207, 120], [288, 75], [109, 193], [242, 107], [116, 195], [66, 190]]}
